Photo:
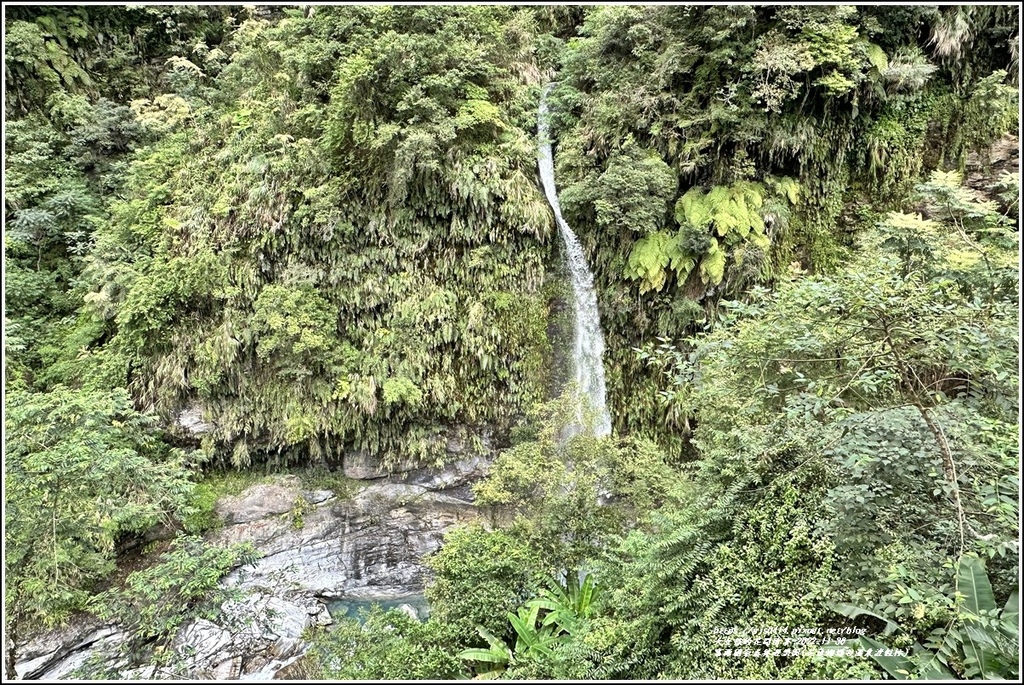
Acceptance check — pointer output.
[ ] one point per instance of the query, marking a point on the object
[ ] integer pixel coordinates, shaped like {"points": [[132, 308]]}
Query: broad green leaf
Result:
{"points": [[975, 586], [493, 641], [549, 604], [877, 57], [487, 655], [852, 611], [1011, 611], [899, 667], [527, 634], [978, 652]]}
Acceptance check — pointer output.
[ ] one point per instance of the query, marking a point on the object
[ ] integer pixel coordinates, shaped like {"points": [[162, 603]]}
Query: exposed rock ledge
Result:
{"points": [[313, 546]]}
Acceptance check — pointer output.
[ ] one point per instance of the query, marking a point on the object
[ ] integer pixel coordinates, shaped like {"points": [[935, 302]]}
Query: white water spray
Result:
{"points": [[588, 343]]}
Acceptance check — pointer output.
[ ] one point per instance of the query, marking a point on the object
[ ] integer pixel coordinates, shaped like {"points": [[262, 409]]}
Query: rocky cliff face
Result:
{"points": [[368, 546], [984, 170], [313, 546]]}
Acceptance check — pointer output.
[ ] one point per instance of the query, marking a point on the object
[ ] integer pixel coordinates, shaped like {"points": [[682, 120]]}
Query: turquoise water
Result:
{"points": [[350, 607]]}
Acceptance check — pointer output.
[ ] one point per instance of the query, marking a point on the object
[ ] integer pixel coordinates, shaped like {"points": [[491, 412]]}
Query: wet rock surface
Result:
{"points": [[190, 421], [458, 442]]}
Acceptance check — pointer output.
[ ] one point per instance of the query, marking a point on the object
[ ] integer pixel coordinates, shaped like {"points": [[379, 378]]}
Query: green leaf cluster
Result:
{"points": [[351, 281], [82, 470]]}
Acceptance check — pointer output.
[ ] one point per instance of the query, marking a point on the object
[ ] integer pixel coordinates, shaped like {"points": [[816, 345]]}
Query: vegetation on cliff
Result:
{"points": [[322, 227]]}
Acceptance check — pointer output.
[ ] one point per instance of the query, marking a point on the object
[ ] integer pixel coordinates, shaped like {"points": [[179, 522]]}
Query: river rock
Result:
{"points": [[462, 441], [254, 638], [57, 653], [205, 650], [361, 465], [368, 547], [317, 496], [260, 501], [983, 167], [449, 477], [456, 442], [371, 545]]}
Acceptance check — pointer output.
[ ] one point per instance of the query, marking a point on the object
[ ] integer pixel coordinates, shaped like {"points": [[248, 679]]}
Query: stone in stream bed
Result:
{"points": [[370, 546]]}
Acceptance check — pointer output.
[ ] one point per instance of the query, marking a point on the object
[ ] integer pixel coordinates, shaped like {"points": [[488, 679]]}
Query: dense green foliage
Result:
{"points": [[857, 435], [81, 470], [321, 228], [981, 637], [157, 601], [348, 275], [775, 122], [389, 646]]}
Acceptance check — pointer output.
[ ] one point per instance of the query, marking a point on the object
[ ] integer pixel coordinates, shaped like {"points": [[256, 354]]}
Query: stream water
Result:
{"points": [[588, 340], [351, 607]]}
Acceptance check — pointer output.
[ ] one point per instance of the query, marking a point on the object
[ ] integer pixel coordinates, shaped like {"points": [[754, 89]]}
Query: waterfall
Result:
{"points": [[588, 341]]}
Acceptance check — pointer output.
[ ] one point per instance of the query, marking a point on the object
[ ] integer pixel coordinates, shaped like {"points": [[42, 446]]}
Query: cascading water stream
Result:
{"points": [[588, 341]]}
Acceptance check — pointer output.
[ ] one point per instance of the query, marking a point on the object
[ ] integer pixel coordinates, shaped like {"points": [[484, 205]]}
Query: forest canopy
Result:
{"points": [[319, 232]]}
